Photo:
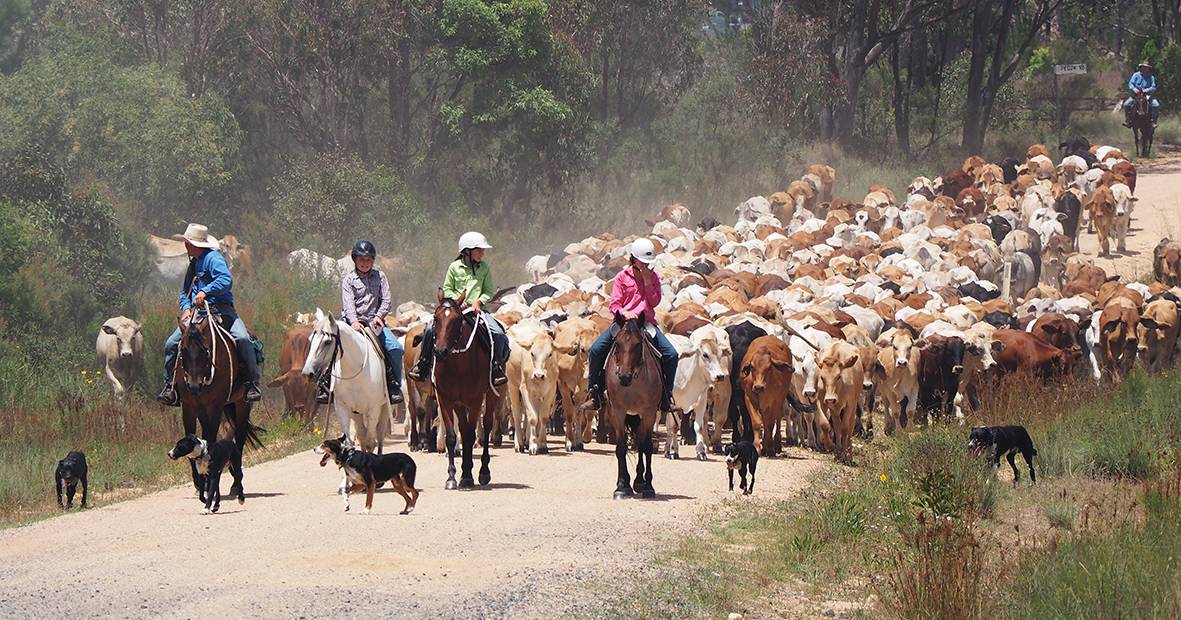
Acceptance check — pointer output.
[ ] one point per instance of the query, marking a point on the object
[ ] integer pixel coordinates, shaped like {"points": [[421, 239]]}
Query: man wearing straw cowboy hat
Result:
{"points": [[208, 280]]}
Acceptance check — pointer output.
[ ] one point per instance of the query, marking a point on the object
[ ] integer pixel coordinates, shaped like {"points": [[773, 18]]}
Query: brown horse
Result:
{"points": [[1142, 129], [211, 389], [462, 386], [633, 397]]}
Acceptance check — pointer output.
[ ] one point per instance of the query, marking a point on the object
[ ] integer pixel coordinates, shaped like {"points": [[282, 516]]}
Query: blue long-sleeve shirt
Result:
{"points": [[213, 279], [1146, 84]]}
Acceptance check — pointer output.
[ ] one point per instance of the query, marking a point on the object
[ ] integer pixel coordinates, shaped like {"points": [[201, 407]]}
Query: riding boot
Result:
{"points": [[393, 385], [1153, 114], [594, 398], [247, 355], [426, 356], [498, 376], [168, 396], [322, 387], [1128, 117]]}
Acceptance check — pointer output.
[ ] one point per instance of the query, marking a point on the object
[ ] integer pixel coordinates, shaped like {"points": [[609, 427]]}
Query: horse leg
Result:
{"points": [[623, 480], [189, 420], [485, 472], [648, 448], [467, 429], [448, 431]]}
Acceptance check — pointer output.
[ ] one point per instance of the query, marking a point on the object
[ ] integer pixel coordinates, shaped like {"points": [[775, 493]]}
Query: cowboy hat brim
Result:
{"points": [[210, 242]]}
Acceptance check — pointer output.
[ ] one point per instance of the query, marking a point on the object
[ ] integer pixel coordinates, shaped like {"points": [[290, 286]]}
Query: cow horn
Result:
{"points": [[791, 330]]}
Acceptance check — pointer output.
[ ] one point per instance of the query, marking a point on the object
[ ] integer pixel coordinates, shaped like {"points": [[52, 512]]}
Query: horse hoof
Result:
{"points": [[466, 483], [676, 456], [449, 486], [485, 478], [364, 511], [543, 450], [701, 457], [622, 494], [648, 493], [204, 511]]}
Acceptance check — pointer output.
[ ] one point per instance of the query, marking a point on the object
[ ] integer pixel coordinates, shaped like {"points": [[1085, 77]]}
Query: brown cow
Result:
{"points": [[1057, 330], [1101, 207], [1127, 170], [572, 341], [828, 179], [839, 378], [1166, 262], [422, 408], [896, 375], [299, 392], [1118, 337], [1024, 351], [1158, 334], [766, 372]]}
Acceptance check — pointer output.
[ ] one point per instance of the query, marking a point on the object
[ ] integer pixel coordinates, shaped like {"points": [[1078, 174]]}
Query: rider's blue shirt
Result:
{"points": [[213, 279], [1147, 84]]}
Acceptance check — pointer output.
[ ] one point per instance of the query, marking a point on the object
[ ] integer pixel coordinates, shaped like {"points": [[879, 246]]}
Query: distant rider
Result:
{"points": [[468, 277], [365, 300], [214, 284], [1142, 81], [635, 292]]}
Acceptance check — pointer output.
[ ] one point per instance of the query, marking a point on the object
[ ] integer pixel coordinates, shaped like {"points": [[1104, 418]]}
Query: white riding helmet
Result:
{"points": [[643, 250], [473, 239]]}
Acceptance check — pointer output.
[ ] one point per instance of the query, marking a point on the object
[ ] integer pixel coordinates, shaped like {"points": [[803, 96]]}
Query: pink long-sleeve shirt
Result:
{"points": [[628, 294]]}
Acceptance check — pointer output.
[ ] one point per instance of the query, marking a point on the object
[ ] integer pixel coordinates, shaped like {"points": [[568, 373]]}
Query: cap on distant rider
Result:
{"points": [[472, 240], [364, 248], [643, 250], [1144, 65]]}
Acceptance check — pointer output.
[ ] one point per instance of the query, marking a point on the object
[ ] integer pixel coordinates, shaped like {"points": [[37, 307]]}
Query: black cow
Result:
{"points": [[941, 365], [1069, 204], [1008, 167], [978, 292], [999, 226], [1000, 319], [708, 224], [1075, 144], [703, 266], [741, 335], [537, 291]]}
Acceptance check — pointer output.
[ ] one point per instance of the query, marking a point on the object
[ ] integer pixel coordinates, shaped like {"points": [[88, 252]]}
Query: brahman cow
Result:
{"points": [[765, 374], [702, 384], [941, 366], [120, 349], [839, 379], [299, 392], [1101, 208], [1158, 334], [572, 341], [1024, 351], [896, 375], [1117, 338], [532, 371], [1166, 262]]}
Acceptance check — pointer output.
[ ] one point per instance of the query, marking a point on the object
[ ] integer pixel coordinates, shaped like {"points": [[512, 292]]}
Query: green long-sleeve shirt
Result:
{"points": [[472, 285]]}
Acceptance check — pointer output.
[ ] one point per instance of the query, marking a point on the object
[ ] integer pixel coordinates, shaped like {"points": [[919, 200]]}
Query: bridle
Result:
{"points": [[338, 352], [219, 337]]}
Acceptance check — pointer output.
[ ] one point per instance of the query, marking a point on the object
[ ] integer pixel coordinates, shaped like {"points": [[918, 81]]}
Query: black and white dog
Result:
{"points": [[1006, 440], [211, 461], [365, 471], [70, 471], [741, 456]]}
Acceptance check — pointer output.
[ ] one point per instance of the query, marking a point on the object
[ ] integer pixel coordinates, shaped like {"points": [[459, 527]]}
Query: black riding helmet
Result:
{"points": [[364, 248]]}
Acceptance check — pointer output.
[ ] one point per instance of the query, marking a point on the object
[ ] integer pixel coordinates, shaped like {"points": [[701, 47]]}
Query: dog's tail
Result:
{"points": [[408, 475]]}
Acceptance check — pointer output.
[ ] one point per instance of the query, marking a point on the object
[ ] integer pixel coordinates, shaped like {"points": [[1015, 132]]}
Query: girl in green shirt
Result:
{"points": [[468, 277]]}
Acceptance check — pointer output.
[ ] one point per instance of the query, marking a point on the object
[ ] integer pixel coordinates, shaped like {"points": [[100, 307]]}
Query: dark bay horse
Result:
{"points": [[210, 388], [633, 398], [461, 377], [1142, 129]]}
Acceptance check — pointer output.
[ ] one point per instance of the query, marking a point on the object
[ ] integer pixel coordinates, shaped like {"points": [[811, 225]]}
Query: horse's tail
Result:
{"points": [[252, 433]]}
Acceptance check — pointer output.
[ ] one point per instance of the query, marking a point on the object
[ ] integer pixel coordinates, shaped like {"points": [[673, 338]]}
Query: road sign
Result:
{"points": [[1070, 69]]}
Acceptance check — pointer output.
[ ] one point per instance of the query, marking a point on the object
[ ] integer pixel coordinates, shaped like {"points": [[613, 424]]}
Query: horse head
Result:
{"points": [[196, 353], [629, 348], [449, 320], [323, 345]]}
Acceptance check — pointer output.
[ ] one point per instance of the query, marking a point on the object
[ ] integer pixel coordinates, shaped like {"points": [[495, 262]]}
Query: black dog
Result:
{"points": [[365, 470], [211, 460], [740, 456], [1007, 440], [70, 470]]}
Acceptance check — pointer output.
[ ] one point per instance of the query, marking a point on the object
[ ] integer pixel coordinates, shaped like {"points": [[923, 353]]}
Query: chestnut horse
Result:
{"points": [[462, 382], [211, 386], [633, 398]]}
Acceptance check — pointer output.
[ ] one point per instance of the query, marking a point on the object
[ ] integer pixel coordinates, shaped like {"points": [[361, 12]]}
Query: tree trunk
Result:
{"points": [[972, 138], [845, 116], [901, 103]]}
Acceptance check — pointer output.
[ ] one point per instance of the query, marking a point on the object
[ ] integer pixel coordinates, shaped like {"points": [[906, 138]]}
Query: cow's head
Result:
{"points": [[126, 334], [763, 370], [829, 367]]}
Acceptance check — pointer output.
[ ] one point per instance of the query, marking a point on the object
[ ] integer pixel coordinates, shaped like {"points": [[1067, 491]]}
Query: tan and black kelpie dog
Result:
{"points": [[365, 470]]}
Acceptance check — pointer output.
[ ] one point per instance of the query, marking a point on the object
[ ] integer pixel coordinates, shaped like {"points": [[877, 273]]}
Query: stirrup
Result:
{"points": [[395, 391], [253, 393], [168, 397]]}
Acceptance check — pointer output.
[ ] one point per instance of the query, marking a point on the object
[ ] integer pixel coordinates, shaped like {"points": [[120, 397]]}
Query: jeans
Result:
{"points": [[669, 357], [237, 330], [1128, 103], [393, 352]]}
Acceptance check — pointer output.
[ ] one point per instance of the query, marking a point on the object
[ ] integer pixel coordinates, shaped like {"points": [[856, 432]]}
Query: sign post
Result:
{"points": [[1078, 69]]}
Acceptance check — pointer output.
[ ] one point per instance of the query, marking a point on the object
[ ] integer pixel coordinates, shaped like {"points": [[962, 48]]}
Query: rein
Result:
{"points": [[338, 355]]}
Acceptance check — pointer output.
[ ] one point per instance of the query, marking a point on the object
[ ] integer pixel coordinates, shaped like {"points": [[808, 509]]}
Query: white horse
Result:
{"points": [[358, 379]]}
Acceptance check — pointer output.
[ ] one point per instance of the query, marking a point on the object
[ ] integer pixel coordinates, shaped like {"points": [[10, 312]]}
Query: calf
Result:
{"points": [[1101, 207], [839, 379], [1124, 201], [572, 341], [1158, 334], [532, 371]]}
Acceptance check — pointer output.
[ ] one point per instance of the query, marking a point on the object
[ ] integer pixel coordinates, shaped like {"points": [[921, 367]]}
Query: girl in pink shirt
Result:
{"points": [[635, 293]]}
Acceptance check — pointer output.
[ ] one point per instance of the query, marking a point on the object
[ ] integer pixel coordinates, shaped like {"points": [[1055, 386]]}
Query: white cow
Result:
{"points": [[1124, 202], [702, 385], [532, 371], [897, 375], [120, 349]]}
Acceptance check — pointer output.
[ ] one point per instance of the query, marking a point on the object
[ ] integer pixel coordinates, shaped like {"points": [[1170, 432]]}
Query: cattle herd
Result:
{"points": [[810, 314]]}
